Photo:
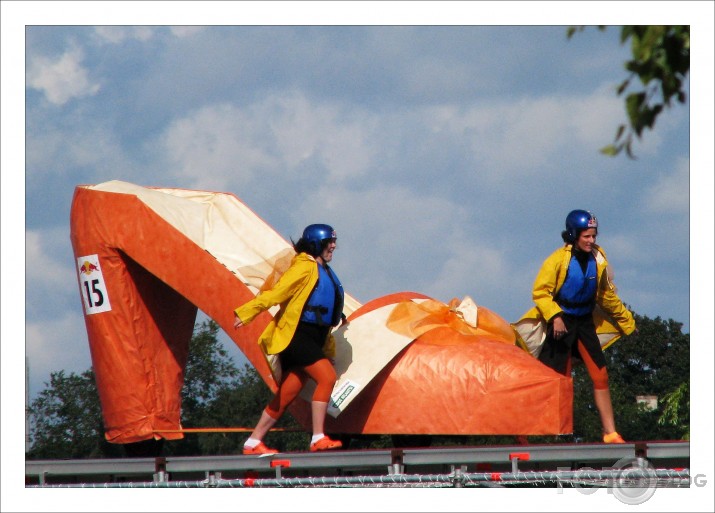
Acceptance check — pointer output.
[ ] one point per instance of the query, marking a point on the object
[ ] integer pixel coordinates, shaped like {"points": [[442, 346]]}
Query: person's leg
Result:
{"points": [[601, 393], [602, 397], [323, 373], [265, 423], [290, 387], [318, 411], [288, 390]]}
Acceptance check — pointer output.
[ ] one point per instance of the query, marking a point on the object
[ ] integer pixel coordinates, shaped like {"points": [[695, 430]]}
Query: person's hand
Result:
{"points": [[559, 328], [237, 323]]}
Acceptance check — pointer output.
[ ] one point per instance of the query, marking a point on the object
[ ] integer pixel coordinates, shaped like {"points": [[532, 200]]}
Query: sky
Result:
{"points": [[445, 142]]}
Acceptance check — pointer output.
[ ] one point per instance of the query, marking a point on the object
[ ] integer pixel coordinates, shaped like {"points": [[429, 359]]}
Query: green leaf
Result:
{"points": [[634, 102], [610, 150], [619, 132], [623, 86]]}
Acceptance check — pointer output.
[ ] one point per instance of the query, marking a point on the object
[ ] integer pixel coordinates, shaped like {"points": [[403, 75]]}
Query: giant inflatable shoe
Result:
{"points": [[148, 258]]}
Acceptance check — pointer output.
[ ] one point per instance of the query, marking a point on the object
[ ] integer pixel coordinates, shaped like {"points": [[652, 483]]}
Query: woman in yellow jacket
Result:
{"points": [[311, 304], [577, 312]]}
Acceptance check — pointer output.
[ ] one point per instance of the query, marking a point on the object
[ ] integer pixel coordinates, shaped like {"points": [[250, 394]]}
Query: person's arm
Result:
{"points": [[608, 300], [288, 285], [544, 289]]}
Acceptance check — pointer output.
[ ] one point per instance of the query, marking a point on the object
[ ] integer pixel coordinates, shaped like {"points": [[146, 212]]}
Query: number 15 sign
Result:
{"points": [[91, 281]]}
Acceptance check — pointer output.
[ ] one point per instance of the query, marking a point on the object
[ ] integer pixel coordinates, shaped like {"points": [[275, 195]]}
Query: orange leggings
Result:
{"points": [[322, 372], [598, 376]]}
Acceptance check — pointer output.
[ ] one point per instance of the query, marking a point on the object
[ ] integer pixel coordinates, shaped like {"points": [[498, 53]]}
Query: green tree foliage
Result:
{"points": [[67, 420], [655, 361], [676, 409], [661, 62]]}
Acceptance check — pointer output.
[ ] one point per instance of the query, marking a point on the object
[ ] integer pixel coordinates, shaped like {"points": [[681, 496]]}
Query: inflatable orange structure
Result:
{"points": [[149, 258]]}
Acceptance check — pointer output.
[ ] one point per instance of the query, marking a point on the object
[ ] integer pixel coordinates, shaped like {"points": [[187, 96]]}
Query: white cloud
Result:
{"points": [[62, 79], [51, 285], [215, 145], [512, 136], [339, 140], [286, 133], [671, 193], [42, 269], [469, 265], [625, 247], [56, 344], [221, 144], [185, 30], [117, 33], [390, 238], [87, 144], [592, 118]]}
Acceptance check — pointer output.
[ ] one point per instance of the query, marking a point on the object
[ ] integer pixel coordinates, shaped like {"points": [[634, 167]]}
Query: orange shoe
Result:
{"points": [[613, 438], [259, 450], [325, 444]]}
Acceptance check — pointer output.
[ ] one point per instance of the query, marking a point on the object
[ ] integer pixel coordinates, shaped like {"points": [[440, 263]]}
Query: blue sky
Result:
{"points": [[446, 157]]}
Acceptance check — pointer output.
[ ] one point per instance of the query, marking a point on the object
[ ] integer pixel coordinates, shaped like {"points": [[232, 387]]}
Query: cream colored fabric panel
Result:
{"points": [[218, 223], [222, 225], [532, 333]]}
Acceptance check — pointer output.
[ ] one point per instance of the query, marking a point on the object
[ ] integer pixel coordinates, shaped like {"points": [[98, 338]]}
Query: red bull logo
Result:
{"points": [[91, 282], [88, 268]]}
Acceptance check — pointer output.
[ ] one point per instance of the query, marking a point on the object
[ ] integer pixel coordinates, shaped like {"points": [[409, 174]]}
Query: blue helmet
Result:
{"points": [[315, 234], [576, 222]]}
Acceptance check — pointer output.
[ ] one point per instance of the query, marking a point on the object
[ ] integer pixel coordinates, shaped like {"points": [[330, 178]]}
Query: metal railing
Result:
{"points": [[383, 465]]}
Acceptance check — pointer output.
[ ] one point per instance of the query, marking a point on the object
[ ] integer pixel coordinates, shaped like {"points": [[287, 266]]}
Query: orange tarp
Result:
{"points": [[148, 258]]}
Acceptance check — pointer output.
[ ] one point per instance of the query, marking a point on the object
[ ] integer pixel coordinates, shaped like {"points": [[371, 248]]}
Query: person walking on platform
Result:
{"points": [[577, 301], [311, 302]]}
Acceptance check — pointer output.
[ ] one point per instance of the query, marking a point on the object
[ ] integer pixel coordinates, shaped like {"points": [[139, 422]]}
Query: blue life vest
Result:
{"points": [[578, 293], [325, 304]]}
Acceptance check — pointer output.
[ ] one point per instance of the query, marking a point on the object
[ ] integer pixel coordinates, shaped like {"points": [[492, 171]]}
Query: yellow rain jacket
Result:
{"points": [[611, 317], [291, 292]]}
